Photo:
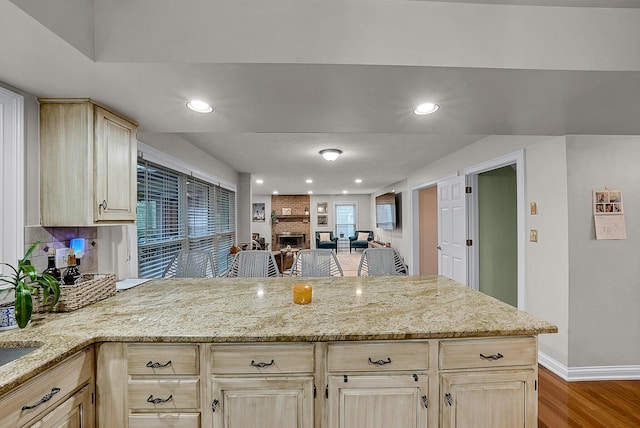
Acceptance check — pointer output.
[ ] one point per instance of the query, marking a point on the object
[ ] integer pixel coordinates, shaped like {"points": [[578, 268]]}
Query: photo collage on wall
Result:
{"points": [[608, 214]]}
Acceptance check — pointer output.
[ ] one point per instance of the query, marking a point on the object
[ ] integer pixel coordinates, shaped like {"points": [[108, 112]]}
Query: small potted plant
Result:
{"points": [[25, 282]]}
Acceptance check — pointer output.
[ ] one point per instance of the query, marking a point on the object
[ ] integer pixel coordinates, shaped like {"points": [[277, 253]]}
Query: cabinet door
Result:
{"points": [[503, 399], [379, 401], [269, 402], [115, 168], [76, 412]]}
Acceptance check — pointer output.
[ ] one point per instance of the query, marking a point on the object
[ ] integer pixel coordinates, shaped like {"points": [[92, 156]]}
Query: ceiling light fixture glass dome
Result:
{"points": [[426, 108], [199, 106], [331, 154]]}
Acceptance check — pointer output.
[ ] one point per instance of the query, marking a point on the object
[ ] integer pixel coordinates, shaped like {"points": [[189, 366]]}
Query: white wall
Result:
{"points": [[604, 318], [546, 276]]}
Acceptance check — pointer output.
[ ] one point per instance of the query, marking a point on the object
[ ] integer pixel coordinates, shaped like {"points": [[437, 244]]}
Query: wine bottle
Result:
{"points": [[71, 274], [51, 268]]}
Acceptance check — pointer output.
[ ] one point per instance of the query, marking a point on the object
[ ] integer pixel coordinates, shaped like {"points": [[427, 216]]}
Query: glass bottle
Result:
{"points": [[71, 274], [51, 268]]}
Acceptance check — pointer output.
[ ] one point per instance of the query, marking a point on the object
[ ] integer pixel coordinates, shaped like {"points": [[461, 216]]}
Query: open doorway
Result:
{"points": [[428, 230], [497, 230]]}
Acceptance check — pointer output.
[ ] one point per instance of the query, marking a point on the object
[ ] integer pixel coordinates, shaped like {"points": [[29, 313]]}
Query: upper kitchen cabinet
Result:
{"points": [[87, 164]]}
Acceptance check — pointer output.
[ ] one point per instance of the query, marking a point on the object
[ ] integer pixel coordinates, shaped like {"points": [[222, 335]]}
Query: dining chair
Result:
{"points": [[316, 263], [191, 264], [253, 264], [381, 262]]}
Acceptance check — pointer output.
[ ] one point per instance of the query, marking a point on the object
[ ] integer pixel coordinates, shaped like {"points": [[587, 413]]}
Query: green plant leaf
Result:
{"points": [[24, 305]]}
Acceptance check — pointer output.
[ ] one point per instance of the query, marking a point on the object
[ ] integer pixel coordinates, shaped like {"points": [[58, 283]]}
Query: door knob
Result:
{"points": [[439, 247]]}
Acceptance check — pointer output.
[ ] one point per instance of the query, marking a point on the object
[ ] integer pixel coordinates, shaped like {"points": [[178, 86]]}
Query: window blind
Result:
{"points": [[177, 211]]}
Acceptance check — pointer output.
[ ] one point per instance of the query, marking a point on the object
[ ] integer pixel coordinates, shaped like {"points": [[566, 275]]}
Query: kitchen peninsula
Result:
{"points": [[222, 352]]}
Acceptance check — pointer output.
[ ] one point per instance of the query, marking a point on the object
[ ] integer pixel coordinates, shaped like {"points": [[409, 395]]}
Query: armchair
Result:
{"points": [[360, 239], [326, 240]]}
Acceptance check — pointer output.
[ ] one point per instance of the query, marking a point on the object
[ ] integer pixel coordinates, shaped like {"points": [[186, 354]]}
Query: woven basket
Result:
{"points": [[91, 288]]}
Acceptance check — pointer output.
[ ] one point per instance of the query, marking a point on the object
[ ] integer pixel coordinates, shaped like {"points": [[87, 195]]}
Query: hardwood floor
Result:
{"points": [[606, 404]]}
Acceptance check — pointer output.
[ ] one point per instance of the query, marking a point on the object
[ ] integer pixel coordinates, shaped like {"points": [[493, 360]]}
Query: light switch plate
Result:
{"points": [[534, 208], [62, 257], [533, 235]]}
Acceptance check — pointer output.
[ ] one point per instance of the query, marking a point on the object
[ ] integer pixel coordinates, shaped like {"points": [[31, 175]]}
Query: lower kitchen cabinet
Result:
{"points": [[378, 401], [265, 385], [76, 412], [504, 399], [60, 397], [479, 383], [268, 402]]}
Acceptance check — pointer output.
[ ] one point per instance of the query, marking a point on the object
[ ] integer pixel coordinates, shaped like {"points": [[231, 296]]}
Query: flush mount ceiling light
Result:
{"points": [[199, 106], [426, 108], [330, 154], [308, 181], [358, 180]]}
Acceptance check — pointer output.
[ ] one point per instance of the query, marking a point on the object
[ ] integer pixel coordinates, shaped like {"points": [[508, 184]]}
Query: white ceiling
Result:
{"points": [[282, 92]]}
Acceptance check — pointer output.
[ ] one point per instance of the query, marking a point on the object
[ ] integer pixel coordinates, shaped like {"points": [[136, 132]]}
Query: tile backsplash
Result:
{"points": [[59, 237]]}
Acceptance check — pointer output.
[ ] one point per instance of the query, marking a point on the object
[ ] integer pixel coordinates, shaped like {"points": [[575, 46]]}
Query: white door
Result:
{"points": [[452, 229]]}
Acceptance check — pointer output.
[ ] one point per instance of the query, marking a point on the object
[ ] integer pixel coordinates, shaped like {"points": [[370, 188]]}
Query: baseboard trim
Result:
{"points": [[575, 374]]}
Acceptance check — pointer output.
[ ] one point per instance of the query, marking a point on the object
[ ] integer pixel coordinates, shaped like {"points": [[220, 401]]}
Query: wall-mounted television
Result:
{"points": [[387, 211]]}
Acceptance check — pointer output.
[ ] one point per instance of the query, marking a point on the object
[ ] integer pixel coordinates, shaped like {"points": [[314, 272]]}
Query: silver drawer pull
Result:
{"points": [[153, 365], [492, 356], [44, 399], [380, 362], [262, 364], [159, 400]]}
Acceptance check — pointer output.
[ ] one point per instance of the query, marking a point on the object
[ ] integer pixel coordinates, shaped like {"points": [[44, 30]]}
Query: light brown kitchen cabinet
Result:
{"points": [[377, 385], [62, 396], [87, 164], [489, 383], [149, 385], [270, 386]]}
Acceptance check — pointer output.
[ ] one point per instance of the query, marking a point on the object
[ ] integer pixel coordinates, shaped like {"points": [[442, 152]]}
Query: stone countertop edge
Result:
{"points": [[243, 310]]}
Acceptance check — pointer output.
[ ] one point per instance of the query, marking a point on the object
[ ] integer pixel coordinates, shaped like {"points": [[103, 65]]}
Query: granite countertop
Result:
{"points": [[261, 309]]}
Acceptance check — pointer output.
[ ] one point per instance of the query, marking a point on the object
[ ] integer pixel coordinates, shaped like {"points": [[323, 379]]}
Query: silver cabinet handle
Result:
{"points": [[103, 206]]}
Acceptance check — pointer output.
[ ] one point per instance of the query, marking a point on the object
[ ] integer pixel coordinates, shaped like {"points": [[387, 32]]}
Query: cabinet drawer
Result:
{"points": [[57, 383], [263, 359], [483, 353], [165, 359], [367, 357], [169, 393], [161, 420]]}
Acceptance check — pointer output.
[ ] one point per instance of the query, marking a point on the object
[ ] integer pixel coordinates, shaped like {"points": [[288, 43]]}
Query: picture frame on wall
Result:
{"points": [[322, 208], [323, 220], [258, 213], [286, 211]]}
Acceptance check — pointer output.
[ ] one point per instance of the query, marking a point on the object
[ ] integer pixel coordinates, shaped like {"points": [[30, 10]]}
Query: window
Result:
{"points": [[177, 211], [346, 218]]}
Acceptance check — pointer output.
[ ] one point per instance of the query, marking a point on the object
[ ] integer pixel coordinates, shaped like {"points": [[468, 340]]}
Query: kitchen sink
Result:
{"points": [[9, 354]]}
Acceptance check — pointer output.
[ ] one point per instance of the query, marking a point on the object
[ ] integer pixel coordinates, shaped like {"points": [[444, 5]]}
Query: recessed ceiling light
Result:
{"points": [[275, 192], [259, 181], [330, 154], [199, 106], [310, 192], [345, 192], [426, 108], [308, 181], [358, 180]]}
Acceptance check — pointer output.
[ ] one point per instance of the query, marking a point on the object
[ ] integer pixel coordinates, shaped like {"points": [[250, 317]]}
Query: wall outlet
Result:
{"points": [[62, 257]]}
